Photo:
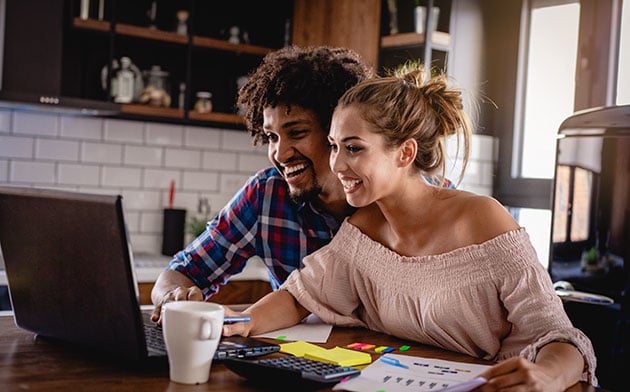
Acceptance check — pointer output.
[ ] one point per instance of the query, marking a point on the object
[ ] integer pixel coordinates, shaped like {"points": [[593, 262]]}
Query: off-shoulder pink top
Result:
{"points": [[492, 300]]}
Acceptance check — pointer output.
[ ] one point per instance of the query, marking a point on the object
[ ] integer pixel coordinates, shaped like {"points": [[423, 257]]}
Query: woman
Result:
{"points": [[439, 266]]}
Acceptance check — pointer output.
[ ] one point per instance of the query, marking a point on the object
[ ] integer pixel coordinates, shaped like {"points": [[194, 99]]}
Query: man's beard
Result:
{"points": [[303, 196]]}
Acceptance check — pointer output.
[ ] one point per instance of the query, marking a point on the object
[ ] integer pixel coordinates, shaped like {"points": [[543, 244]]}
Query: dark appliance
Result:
{"points": [[590, 231]]}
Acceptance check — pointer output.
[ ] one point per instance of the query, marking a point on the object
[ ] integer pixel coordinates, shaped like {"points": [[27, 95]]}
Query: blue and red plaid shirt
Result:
{"points": [[261, 220]]}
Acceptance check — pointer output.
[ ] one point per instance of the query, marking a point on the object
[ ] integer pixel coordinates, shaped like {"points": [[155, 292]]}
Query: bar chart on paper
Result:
{"points": [[404, 373]]}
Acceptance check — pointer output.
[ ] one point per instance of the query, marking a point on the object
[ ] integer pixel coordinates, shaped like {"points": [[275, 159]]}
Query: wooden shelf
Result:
{"points": [[153, 111], [227, 118], [169, 36], [439, 39], [220, 44], [154, 34], [91, 24]]}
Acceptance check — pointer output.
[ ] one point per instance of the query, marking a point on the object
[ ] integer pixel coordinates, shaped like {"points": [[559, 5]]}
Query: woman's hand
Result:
{"points": [[242, 328], [519, 374]]}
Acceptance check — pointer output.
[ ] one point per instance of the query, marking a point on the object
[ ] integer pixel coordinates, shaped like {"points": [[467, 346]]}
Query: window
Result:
{"points": [[623, 70], [572, 55], [549, 86]]}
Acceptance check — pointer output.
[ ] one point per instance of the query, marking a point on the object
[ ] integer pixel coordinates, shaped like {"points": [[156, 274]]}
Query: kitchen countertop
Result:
{"points": [[148, 267]]}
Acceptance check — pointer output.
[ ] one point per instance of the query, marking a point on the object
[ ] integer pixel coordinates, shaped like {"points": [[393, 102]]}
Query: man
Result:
{"points": [[286, 211]]}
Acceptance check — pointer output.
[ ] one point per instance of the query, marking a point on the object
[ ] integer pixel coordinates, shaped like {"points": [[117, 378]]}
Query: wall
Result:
{"points": [[134, 158], [139, 159]]}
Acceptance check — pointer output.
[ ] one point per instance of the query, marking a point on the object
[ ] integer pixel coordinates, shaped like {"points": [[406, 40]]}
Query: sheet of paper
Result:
{"points": [[422, 374], [311, 329]]}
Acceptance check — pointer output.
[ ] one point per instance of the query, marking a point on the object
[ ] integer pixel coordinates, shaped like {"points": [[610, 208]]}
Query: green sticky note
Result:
{"points": [[281, 337], [404, 348]]}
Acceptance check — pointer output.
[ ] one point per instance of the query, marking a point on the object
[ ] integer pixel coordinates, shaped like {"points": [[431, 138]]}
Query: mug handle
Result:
{"points": [[206, 331]]}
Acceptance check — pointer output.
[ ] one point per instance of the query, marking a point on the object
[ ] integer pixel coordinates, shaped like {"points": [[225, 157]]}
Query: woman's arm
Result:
{"points": [[557, 367], [274, 311]]}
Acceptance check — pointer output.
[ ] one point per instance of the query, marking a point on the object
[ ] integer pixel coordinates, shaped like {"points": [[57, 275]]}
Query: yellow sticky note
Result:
{"points": [[298, 348], [340, 356]]}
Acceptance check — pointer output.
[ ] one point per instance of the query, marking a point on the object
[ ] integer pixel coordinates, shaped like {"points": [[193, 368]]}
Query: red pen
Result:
{"points": [[171, 195]]}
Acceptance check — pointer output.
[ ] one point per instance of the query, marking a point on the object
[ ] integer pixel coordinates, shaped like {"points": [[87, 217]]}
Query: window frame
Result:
{"points": [[596, 77]]}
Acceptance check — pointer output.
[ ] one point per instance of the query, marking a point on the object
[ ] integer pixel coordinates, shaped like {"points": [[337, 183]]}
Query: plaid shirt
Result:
{"points": [[260, 220]]}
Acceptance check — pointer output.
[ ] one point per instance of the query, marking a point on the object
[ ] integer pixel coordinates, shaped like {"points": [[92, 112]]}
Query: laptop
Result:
{"points": [[71, 277]]}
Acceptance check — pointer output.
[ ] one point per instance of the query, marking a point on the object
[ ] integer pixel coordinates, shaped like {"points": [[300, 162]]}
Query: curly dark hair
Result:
{"points": [[313, 78]]}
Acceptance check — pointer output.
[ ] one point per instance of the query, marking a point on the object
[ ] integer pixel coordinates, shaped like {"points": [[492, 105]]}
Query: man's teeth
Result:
{"points": [[292, 169], [349, 184]]}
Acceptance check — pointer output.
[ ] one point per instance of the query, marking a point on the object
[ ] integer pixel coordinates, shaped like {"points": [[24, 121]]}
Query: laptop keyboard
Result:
{"points": [[154, 337]]}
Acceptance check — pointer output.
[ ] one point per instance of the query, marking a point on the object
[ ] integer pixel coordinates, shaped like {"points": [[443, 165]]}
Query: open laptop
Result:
{"points": [[71, 277]]}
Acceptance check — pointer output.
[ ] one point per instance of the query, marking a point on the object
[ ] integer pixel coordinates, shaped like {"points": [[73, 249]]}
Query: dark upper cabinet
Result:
{"points": [[58, 53]]}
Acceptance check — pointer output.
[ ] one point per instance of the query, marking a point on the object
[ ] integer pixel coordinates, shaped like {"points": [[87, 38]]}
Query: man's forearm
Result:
{"points": [[167, 281]]}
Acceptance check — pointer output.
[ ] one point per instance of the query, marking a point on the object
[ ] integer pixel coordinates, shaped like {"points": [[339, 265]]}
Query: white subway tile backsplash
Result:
{"points": [[4, 170], [252, 162], [161, 178], [37, 173], [145, 156], [232, 182], [198, 137], [144, 200], [82, 127], [56, 149], [5, 120], [185, 159], [202, 181], [35, 123], [101, 152], [164, 134], [472, 174], [146, 243], [188, 200], [121, 176], [482, 147], [132, 219], [16, 147], [215, 160], [124, 131], [239, 141], [487, 173], [73, 174], [151, 222]]}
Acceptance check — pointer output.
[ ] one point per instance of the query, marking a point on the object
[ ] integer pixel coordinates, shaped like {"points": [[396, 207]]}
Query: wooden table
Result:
{"points": [[29, 362]]}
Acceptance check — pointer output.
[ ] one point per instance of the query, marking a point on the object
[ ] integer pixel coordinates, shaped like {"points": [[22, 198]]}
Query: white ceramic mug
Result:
{"points": [[192, 331]]}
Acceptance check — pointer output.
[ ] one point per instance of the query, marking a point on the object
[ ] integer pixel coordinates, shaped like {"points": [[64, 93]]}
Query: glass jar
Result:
{"points": [[204, 102], [156, 88]]}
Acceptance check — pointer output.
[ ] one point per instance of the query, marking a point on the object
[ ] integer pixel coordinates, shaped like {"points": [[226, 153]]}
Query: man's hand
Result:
{"points": [[177, 294], [172, 286]]}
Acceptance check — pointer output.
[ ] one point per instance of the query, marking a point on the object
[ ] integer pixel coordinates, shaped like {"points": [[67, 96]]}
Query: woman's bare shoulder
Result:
{"points": [[484, 217]]}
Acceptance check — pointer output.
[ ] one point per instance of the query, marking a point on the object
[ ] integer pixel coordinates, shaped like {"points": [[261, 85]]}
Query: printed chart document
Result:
{"points": [[411, 374]]}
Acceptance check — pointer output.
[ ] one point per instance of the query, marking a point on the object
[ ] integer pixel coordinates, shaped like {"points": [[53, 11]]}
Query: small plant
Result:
{"points": [[197, 224]]}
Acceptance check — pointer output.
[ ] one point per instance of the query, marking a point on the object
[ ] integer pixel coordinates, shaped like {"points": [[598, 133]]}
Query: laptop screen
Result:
{"points": [[69, 270]]}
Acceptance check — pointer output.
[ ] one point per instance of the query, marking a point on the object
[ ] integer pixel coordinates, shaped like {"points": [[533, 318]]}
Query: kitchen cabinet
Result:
{"points": [[400, 42], [353, 24], [60, 54], [381, 31]]}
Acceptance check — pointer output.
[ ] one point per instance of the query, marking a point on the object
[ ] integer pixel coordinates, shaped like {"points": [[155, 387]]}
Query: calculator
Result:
{"points": [[290, 370]]}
